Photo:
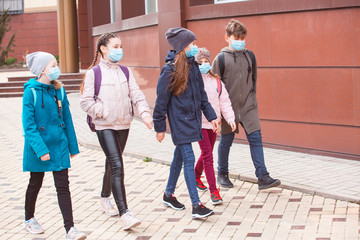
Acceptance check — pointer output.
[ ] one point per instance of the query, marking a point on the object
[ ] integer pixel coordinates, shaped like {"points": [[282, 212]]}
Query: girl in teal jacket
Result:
{"points": [[50, 139]]}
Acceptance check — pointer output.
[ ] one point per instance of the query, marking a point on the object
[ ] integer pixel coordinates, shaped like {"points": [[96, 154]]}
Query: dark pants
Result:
{"points": [[256, 150], [61, 180], [206, 159], [113, 143]]}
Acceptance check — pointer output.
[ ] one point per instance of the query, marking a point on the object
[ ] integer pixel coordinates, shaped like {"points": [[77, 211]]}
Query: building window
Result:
{"points": [[228, 1], [151, 6], [14, 6]]}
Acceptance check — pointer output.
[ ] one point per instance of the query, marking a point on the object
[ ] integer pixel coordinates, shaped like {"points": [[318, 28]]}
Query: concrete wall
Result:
{"points": [[308, 63], [308, 76]]}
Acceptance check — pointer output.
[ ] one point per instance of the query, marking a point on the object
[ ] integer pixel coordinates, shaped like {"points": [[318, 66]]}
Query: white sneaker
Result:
{"points": [[33, 226], [108, 208], [128, 221], [75, 234]]}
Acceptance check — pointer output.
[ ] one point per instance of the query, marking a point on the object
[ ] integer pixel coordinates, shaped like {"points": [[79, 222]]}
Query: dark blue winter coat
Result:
{"points": [[46, 132], [184, 111]]}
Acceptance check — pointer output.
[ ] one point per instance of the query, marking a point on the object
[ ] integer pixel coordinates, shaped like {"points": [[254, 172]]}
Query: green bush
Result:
{"points": [[147, 159], [57, 58], [10, 61], [4, 28]]}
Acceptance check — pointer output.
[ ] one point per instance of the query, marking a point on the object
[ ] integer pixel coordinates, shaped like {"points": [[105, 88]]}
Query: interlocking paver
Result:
{"points": [[245, 214]]}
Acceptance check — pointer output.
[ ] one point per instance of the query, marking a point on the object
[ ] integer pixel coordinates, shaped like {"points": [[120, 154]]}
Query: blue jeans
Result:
{"points": [[183, 153], [256, 150]]}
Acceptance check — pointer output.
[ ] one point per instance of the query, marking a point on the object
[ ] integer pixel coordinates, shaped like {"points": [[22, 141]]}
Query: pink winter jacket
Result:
{"points": [[113, 107], [221, 104]]}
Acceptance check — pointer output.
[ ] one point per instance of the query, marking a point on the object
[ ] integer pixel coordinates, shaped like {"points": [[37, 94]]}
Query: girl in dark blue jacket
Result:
{"points": [[181, 96]]}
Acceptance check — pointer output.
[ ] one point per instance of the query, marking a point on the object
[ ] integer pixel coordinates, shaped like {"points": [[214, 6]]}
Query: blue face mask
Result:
{"points": [[193, 51], [54, 74], [116, 54], [205, 68], [237, 45]]}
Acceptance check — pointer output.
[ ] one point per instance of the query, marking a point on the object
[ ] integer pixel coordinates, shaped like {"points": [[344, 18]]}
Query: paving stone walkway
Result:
{"points": [[326, 176], [247, 213]]}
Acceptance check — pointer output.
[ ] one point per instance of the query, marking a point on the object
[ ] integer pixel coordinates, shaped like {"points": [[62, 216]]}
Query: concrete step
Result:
{"points": [[63, 76], [21, 89], [19, 94], [21, 83]]}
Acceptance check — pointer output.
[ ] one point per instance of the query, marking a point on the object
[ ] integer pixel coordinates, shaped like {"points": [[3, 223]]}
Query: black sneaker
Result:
{"points": [[172, 202], [200, 211], [224, 181], [267, 182]]}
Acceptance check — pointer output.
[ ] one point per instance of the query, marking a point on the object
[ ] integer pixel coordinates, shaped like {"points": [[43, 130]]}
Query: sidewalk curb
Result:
{"points": [[284, 185]]}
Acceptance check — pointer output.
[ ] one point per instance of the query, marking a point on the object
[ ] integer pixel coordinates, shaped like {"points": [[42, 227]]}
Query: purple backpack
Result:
{"points": [[97, 84]]}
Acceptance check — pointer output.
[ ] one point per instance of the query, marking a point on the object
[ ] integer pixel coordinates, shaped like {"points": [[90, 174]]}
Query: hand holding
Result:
{"points": [[233, 126], [45, 157], [148, 122], [160, 136], [215, 126]]}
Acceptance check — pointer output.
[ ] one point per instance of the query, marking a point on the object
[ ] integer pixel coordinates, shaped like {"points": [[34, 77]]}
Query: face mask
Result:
{"points": [[193, 51], [116, 54], [205, 68], [237, 45], [54, 74]]}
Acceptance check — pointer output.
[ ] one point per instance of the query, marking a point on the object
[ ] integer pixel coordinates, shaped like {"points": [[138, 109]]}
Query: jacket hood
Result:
{"points": [[228, 50], [33, 83], [170, 56]]}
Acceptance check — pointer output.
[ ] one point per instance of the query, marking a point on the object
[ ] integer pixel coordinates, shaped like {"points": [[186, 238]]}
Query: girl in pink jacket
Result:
{"points": [[219, 100], [112, 114]]}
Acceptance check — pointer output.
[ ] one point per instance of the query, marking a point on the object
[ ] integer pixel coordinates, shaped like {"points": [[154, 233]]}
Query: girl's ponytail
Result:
{"points": [[92, 65], [180, 75]]}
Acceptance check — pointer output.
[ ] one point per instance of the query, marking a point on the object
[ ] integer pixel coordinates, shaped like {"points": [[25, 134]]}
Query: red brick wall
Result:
{"points": [[34, 32]]}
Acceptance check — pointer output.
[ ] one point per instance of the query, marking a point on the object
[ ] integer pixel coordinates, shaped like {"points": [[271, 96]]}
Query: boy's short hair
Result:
{"points": [[236, 28]]}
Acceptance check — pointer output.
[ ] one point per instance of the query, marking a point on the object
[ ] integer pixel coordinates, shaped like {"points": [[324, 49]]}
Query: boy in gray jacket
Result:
{"points": [[237, 68]]}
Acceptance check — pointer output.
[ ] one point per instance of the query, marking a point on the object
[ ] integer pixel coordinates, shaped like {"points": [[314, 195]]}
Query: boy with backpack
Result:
{"points": [[237, 68]]}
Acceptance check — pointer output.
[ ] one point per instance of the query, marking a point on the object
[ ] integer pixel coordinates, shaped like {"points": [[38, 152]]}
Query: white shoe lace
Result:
{"points": [[108, 203], [74, 233], [128, 212]]}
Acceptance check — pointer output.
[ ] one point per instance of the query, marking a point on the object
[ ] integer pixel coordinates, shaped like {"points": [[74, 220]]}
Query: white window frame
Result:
{"points": [[228, 1], [112, 11], [146, 6]]}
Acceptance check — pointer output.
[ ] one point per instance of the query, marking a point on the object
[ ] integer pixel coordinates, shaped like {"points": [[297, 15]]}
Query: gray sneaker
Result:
{"points": [[33, 226], [75, 234]]}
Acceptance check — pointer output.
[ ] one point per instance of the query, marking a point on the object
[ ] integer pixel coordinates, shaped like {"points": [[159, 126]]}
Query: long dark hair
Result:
{"points": [[102, 41]]}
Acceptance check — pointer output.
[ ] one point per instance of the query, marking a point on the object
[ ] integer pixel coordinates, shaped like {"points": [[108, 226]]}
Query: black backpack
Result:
{"points": [[221, 59]]}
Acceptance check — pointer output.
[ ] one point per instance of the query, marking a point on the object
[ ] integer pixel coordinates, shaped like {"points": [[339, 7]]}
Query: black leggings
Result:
{"points": [[61, 180], [113, 143]]}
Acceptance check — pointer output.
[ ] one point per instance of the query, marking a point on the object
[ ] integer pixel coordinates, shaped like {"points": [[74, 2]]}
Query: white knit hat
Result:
{"points": [[37, 61]]}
